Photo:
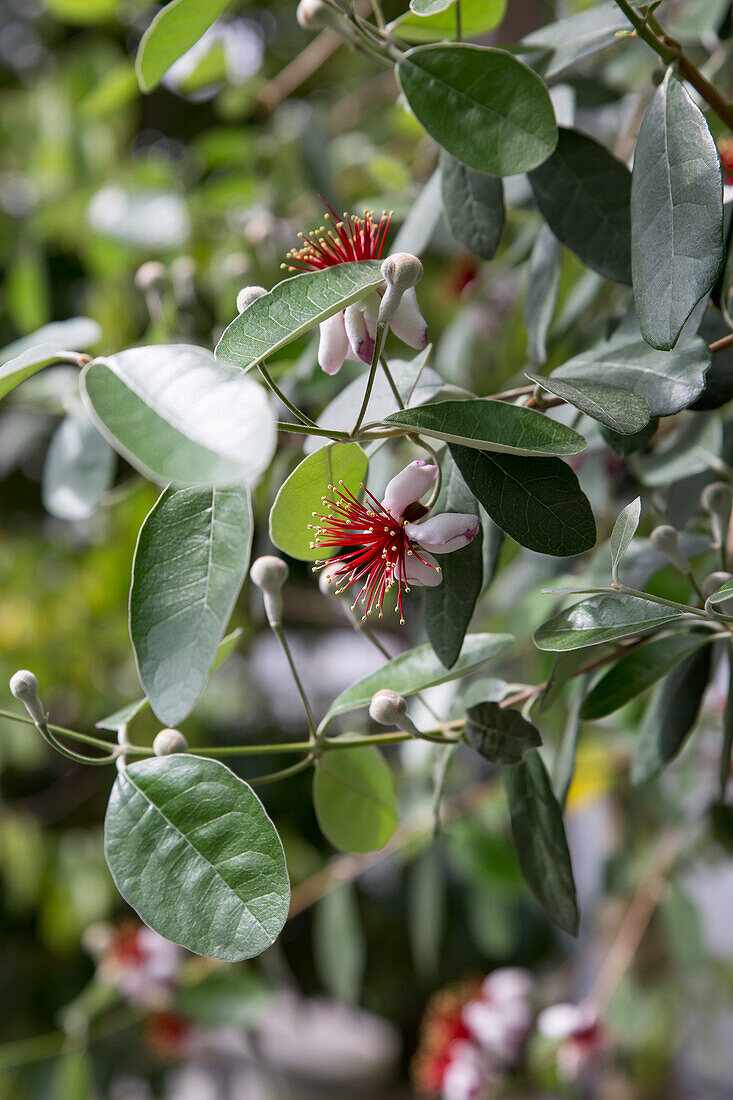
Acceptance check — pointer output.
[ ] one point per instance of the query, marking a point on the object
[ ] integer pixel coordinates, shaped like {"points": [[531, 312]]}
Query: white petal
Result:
{"points": [[560, 1021], [509, 983], [408, 323], [445, 532], [361, 327], [408, 486], [425, 573], [333, 344]]}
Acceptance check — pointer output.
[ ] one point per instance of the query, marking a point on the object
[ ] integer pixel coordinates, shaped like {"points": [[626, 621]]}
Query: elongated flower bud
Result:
{"points": [[390, 709], [401, 272], [314, 15], [169, 741], [665, 539], [24, 686], [713, 582], [149, 275], [269, 574], [247, 295], [716, 500]]}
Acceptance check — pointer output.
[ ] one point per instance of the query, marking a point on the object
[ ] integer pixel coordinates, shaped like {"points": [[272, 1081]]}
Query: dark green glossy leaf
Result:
{"points": [[492, 426], [499, 734], [602, 618], [638, 670], [474, 206], [539, 839], [492, 542], [671, 715], [190, 563], [482, 105], [617, 408], [354, 799], [676, 213], [537, 501], [564, 769], [192, 850], [584, 193], [292, 308]]}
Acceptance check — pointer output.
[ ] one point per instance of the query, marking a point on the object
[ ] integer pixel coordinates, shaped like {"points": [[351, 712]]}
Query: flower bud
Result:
{"points": [[716, 500], [401, 272], [169, 741], [269, 574], [713, 582], [390, 709], [314, 15], [248, 295], [149, 275], [327, 583], [665, 539], [24, 686]]}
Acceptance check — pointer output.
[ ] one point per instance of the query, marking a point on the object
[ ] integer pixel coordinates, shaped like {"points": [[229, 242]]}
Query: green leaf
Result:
{"points": [[474, 206], [482, 105], [291, 516], [174, 30], [192, 850], [669, 381], [354, 799], [190, 562], [671, 715], [539, 839], [613, 406], [437, 20], [603, 618], [493, 540], [449, 606], [584, 195], [73, 1076], [564, 769], [78, 470], [561, 45], [536, 501], [493, 426], [693, 448], [82, 12], [638, 670], [226, 997], [23, 358], [416, 670], [426, 912], [626, 445], [623, 532], [125, 714], [676, 213], [339, 947], [543, 290], [176, 414], [292, 308], [499, 734], [423, 219], [720, 595]]}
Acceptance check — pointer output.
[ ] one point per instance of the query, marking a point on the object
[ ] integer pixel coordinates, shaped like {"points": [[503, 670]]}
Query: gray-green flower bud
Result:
{"points": [[401, 272], [248, 295], [149, 274], [315, 15], [269, 574], [390, 709], [713, 582], [169, 741], [716, 500], [665, 539], [24, 686]]}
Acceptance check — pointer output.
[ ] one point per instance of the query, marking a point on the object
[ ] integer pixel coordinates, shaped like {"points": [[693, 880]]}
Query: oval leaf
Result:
{"points": [[292, 307], [539, 838], [438, 19], [23, 358], [474, 206], [192, 850], [78, 470], [190, 563], [603, 618], [482, 105], [543, 291], [291, 516], [354, 799], [499, 734], [418, 669], [492, 426], [677, 246], [616, 408], [537, 501], [623, 532], [584, 194], [176, 414], [176, 28]]}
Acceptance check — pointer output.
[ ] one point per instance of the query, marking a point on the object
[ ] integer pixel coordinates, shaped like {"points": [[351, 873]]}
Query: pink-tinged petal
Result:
{"points": [[508, 984], [408, 486], [445, 532], [563, 1020], [361, 327], [425, 573], [408, 323], [333, 344]]}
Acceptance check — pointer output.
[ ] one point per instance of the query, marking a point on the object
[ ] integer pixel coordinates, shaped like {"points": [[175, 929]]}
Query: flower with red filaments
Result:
{"points": [[381, 544], [351, 333]]}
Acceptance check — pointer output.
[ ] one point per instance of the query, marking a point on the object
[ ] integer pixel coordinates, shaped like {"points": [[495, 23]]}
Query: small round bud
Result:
{"points": [[327, 583], [183, 268], [97, 939], [169, 741], [665, 539], [314, 15], [402, 270], [24, 686], [387, 707], [713, 582], [716, 497], [269, 574], [248, 295], [149, 274]]}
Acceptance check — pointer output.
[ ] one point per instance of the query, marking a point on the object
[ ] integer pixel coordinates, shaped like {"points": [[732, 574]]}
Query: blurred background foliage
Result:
{"points": [[213, 175]]}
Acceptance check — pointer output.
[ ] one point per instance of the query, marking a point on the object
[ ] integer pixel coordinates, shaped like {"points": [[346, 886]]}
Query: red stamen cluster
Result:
{"points": [[725, 151], [376, 549], [442, 1026], [126, 949], [340, 242]]}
